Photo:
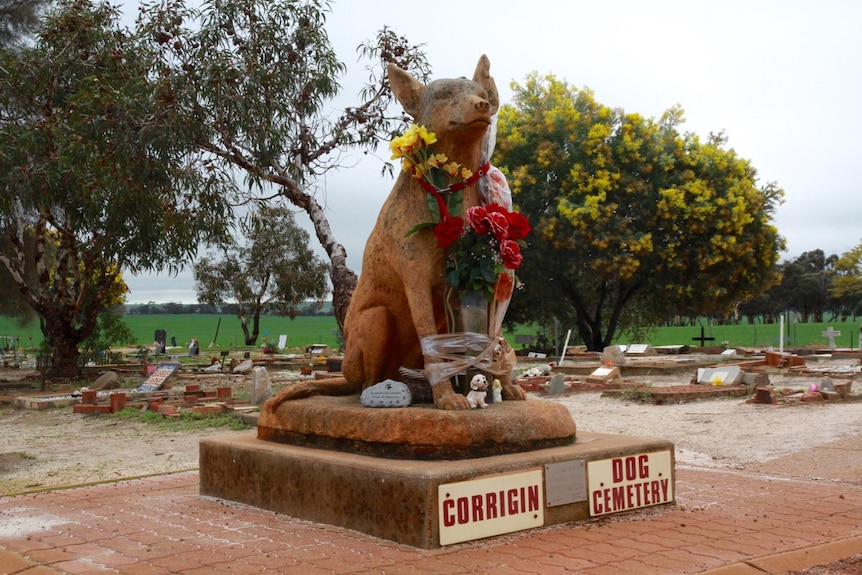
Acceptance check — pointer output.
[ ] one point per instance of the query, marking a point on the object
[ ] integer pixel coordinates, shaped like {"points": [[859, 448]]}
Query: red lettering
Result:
{"points": [[478, 510], [502, 505], [631, 472], [664, 485], [597, 502], [619, 496], [533, 496], [645, 487], [656, 496], [523, 499], [607, 493], [448, 516], [630, 495], [491, 505], [463, 511], [617, 470], [513, 501], [643, 466]]}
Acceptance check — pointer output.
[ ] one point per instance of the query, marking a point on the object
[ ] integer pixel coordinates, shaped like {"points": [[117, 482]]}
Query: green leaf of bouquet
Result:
{"points": [[418, 227]]}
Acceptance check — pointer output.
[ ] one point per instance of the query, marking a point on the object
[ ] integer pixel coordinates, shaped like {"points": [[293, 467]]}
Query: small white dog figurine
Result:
{"points": [[478, 391]]}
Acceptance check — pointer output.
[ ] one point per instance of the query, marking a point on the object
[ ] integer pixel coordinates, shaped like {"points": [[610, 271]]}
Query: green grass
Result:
{"points": [[185, 422], [307, 330]]}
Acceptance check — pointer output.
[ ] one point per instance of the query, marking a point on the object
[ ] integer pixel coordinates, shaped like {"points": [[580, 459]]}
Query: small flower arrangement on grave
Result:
{"points": [[484, 250]]}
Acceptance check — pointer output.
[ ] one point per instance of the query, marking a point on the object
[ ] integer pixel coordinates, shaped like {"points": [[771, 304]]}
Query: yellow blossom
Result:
{"points": [[437, 160], [452, 168], [466, 174]]}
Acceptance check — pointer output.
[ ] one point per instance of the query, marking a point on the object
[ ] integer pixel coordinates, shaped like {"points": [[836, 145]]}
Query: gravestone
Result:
{"points": [[244, 367], [261, 386], [157, 379], [107, 380], [557, 385], [387, 393], [603, 374], [613, 355], [831, 334], [161, 337], [282, 341], [640, 349], [727, 375]]}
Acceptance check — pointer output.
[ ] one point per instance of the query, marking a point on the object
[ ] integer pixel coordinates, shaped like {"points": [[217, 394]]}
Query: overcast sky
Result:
{"points": [[781, 79]]}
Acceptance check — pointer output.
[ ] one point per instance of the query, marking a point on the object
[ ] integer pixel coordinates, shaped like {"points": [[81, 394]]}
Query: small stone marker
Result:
{"points": [[831, 334], [613, 355], [282, 341], [244, 367], [261, 386], [640, 349], [557, 385], [728, 375], [107, 380], [729, 352], [387, 393], [603, 374]]}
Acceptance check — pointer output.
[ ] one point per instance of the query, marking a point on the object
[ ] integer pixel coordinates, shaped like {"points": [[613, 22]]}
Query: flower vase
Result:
{"points": [[469, 316]]}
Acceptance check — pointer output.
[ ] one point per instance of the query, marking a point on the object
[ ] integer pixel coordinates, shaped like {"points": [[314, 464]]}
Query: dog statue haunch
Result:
{"points": [[399, 296]]}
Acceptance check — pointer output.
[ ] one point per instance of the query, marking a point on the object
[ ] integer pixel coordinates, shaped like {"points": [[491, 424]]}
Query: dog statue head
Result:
{"points": [[479, 382]]}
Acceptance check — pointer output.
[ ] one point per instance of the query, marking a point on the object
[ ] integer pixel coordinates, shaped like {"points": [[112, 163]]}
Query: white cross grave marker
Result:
{"points": [[831, 334]]}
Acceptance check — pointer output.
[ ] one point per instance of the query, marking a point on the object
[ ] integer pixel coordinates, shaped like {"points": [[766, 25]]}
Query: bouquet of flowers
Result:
{"points": [[481, 251]]}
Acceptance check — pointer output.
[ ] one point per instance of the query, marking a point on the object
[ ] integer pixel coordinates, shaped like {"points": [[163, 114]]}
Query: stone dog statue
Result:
{"points": [[399, 296]]}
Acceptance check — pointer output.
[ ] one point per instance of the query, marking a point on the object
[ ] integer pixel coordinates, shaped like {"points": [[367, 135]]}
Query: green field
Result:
{"points": [[306, 330]]}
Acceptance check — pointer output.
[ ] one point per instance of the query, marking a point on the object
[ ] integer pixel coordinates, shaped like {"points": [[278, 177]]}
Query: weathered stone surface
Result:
{"points": [[390, 499], [387, 393], [244, 367], [418, 432], [765, 395], [261, 386], [755, 380], [107, 380]]}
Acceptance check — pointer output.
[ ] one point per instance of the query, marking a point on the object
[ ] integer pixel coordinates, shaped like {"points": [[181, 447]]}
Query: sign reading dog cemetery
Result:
{"points": [[490, 506], [630, 482]]}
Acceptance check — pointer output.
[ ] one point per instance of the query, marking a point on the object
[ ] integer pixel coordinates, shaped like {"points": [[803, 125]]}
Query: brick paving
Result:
{"points": [[724, 522]]}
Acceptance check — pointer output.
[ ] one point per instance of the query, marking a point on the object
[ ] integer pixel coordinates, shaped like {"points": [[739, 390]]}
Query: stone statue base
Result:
{"points": [[417, 432], [400, 500]]}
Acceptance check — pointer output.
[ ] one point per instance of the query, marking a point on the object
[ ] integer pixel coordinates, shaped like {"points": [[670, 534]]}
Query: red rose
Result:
{"points": [[477, 217], [519, 226], [499, 225], [511, 253], [448, 231]]}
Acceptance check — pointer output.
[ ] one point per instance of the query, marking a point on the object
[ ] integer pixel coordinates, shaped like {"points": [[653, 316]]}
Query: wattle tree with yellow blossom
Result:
{"points": [[633, 221]]}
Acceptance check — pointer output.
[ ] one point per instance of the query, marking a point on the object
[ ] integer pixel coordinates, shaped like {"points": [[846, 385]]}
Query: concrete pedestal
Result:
{"points": [[395, 499]]}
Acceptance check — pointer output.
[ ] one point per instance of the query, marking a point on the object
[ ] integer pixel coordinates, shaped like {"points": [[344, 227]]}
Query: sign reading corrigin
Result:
{"points": [[629, 482], [490, 506]]}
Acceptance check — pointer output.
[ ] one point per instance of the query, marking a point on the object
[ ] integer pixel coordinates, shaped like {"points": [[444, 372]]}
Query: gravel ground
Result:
{"points": [[49, 449]]}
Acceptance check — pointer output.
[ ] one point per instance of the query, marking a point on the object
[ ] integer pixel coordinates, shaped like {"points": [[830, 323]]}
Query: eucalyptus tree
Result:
{"points": [[98, 166], [274, 270], [263, 78]]}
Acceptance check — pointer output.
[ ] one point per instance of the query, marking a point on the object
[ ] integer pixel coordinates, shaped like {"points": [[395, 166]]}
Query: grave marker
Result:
{"points": [[831, 334], [702, 339], [157, 378]]}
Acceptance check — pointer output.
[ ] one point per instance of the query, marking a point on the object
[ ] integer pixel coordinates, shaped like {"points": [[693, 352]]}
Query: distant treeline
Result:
{"points": [[171, 308]]}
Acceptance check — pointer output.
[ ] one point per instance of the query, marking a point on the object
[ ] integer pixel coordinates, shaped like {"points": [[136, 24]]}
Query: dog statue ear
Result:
{"points": [[407, 89], [482, 76]]}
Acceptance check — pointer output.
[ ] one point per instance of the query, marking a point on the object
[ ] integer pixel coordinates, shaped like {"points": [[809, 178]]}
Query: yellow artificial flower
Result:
{"points": [[466, 174], [437, 160], [452, 168]]}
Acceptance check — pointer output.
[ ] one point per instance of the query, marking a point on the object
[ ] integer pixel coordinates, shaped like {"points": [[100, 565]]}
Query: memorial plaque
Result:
{"points": [[565, 482]]}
